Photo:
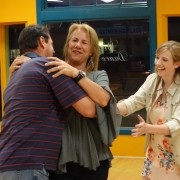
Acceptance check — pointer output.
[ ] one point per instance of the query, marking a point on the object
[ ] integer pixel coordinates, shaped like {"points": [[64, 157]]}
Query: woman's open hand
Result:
{"points": [[140, 128], [61, 67]]}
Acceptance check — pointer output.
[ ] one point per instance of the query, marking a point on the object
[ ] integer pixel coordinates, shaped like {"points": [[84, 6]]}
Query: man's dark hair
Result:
{"points": [[29, 37]]}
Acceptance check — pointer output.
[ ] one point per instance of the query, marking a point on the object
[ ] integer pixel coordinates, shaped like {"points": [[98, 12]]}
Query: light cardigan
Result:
{"points": [[86, 141], [146, 97]]}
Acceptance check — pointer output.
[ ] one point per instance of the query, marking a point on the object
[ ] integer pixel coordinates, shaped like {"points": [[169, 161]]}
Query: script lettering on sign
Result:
{"points": [[114, 57]]}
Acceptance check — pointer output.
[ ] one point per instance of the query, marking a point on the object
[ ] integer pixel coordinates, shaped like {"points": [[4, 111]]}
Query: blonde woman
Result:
{"points": [[160, 95]]}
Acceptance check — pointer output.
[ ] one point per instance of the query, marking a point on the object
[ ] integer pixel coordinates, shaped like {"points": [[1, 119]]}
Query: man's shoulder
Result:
{"points": [[40, 58]]}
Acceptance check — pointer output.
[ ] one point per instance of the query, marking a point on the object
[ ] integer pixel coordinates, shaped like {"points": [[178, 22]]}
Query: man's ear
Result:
{"points": [[42, 41]]}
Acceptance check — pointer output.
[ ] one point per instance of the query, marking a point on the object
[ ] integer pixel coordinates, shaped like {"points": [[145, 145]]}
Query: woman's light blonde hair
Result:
{"points": [[92, 63]]}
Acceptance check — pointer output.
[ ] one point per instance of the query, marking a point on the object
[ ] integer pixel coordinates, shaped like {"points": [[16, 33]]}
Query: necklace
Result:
{"points": [[162, 103], [162, 99]]}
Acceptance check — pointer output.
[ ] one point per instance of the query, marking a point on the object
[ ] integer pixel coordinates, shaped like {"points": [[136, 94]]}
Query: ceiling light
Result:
{"points": [[107, 1]]}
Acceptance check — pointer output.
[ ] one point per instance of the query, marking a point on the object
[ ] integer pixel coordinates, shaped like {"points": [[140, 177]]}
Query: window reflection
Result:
{"points": [[121, 44], [57, 3]]}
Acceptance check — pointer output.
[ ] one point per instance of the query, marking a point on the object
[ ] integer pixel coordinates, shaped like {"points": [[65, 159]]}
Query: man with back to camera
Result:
{"points": [[32, 125]]}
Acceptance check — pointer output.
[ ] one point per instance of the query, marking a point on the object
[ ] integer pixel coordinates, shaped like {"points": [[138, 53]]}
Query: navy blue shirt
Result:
{"points": [[33, 116]]}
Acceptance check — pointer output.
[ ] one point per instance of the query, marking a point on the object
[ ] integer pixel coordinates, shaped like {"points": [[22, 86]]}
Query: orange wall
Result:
{"points": [[165, 9], [126, 145], [14, 11]]}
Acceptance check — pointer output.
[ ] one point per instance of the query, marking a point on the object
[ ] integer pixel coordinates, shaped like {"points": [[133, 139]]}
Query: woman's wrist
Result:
{"points": [[75, 73]]}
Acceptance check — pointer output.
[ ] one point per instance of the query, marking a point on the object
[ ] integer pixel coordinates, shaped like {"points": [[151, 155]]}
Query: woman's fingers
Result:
{"points": [[60, 67], [52, 63], [53, 69], [19, 60], [55, 63], [57, 74], [140, 128], [16, 64], [135, 133], [140, 118]]}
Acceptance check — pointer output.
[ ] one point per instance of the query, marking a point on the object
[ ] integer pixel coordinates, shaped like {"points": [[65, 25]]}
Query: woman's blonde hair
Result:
{"points": [[174, 48], [92, 63]]}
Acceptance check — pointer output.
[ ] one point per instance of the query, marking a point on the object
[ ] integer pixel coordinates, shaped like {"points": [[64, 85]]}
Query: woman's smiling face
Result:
{"points": [[164, 64], [79, 47]]}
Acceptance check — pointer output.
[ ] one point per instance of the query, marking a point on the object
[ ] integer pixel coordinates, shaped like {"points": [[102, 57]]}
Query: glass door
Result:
{"points": [[174, 28], [13, 32], [12, 51]]}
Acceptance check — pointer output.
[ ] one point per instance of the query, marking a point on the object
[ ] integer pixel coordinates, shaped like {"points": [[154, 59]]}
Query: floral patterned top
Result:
{"points": [[159, 162]]}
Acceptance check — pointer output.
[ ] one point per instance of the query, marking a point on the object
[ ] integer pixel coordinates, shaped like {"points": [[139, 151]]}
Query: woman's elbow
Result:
{"points": [[89, 112], [104, 101]]}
